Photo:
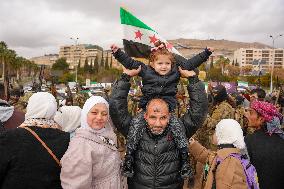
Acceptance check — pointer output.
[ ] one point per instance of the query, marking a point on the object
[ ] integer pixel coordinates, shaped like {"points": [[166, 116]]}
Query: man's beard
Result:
{"points": [[156, 132]]}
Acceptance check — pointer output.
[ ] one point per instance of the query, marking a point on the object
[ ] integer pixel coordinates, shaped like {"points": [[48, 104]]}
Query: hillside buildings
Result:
{"points": [[80, 54], [46, 60], [266, 57]]}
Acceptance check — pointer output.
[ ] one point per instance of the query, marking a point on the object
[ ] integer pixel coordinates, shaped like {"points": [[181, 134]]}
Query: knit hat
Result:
{"points": [[229, 131]]}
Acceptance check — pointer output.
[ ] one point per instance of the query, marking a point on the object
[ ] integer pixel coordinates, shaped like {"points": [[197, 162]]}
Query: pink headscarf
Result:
{"points": [[267, 110]]}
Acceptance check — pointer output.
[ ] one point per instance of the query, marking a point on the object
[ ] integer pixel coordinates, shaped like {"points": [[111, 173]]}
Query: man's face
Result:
{"points": [[254, 120], [157, 116]]}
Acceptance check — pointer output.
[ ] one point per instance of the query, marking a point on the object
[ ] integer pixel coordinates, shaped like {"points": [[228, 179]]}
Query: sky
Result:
{"points": [[38, 27]]}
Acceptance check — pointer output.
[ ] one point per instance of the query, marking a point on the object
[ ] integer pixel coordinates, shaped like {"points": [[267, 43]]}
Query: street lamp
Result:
{"points": [[271, 78], [76, 65]]}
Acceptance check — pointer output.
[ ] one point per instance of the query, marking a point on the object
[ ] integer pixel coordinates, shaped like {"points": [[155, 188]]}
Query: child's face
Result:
{"points": [[162, 65]]}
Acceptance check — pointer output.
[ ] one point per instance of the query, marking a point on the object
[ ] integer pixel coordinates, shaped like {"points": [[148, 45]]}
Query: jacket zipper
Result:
{"points": [[155, 163]]}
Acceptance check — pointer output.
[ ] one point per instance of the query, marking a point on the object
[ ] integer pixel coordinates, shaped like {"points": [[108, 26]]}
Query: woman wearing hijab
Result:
{"points": [[24, 161], [69, 118], [92, 159], [229, 173]]}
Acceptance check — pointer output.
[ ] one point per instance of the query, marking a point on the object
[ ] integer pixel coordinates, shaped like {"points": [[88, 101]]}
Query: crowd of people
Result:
{"points": [[220, 141]]}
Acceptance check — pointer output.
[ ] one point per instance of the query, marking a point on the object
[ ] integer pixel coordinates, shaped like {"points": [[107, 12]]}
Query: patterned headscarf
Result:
{"points": [[274, 126], [271, 116], [267, 110]]}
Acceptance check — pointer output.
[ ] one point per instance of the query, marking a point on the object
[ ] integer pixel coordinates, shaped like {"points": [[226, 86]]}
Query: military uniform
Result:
{"points": [[80, 99], [23, 102], [221, 111], [239, 116]]}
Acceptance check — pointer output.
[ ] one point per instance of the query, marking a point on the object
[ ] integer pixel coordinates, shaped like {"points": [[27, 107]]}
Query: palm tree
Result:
{"points": [[106, 62], [10, 60], [31, 67], [222, 62], [3, 51], [17, 65], [7, 56]]}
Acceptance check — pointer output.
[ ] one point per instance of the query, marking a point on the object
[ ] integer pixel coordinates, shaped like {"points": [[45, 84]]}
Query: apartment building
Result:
{"points": [[110, 60], [46, 60], [268, 57], [80, 54]]}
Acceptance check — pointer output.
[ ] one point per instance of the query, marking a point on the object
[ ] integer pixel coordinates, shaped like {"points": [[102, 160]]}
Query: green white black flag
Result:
{"points": [[138, 37]]}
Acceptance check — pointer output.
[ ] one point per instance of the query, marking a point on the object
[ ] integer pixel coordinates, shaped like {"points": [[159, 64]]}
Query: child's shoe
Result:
{"points": [[186, 170]]}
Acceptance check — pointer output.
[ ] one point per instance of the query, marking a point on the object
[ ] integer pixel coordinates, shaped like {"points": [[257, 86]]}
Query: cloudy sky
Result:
{"points": [[38, 27]]}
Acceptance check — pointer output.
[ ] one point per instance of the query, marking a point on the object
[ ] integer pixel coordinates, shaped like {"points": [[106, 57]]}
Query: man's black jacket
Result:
{"points": [[157, 160]]}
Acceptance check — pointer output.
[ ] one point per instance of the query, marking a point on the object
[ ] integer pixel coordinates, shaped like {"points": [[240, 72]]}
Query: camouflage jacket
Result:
{"points": [[23, 102], [204, 134], [80, 99]]}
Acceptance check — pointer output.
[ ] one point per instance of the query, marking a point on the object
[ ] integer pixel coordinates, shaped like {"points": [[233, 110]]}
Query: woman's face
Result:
{"points": [[98, 116]]}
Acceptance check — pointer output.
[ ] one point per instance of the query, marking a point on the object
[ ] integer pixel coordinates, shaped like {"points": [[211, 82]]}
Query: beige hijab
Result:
{"points": [[107, 131]]}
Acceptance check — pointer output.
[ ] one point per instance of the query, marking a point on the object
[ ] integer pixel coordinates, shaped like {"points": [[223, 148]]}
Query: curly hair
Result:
{"points": [[161, 51]]}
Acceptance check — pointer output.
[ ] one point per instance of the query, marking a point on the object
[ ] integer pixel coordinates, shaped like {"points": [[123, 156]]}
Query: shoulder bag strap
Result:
{"points": [[44, 145]]}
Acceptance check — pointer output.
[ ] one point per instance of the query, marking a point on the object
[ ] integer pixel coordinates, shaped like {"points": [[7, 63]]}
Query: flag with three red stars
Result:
{"points": [[140, 38]]}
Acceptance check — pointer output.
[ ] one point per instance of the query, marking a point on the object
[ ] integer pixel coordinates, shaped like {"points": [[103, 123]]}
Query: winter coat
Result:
{"points": [[26, 164], [228, 174], [9, 116], [157, 163], [266, 154], [155, 85], [158, 158], [91, 163]]}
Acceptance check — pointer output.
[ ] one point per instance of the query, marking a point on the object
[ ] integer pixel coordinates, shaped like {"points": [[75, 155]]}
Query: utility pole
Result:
{"points": [[76, 64], [272, 69]]}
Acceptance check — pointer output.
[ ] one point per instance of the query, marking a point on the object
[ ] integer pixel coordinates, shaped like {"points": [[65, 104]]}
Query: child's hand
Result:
{"points": [[210, 49], [132, 72], [114, 48], [162, 46], [191, 140], [186, 73]]}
